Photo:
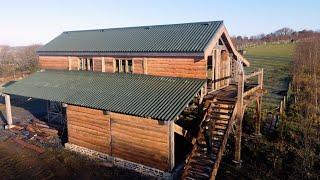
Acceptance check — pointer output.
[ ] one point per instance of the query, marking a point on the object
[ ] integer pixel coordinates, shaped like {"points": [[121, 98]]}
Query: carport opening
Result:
{"points": [[37, 119]]}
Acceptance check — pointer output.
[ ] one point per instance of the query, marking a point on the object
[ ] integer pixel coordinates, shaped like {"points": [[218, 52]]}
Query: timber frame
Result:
{"points": [[140, 138]]}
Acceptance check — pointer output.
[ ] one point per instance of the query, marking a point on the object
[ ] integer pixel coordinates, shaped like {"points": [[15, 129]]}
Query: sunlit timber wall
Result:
{"points": [[136, 139], [159, 66]]}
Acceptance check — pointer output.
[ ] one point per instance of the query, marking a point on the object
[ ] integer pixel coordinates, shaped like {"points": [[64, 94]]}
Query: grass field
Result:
{"points": [[276, 60]]}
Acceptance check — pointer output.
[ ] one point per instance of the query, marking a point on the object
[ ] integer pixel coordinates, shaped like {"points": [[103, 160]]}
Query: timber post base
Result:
{"points": [[9, 126], [237, 164], [257, 134]]}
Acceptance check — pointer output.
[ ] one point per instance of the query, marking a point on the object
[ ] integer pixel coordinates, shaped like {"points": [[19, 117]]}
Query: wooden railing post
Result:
{"points": [[260, 78], [258, 116], [239, 106]]}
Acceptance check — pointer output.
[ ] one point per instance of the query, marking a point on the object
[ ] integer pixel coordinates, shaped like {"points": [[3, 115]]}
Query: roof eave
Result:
{"points": [[131, 54]]}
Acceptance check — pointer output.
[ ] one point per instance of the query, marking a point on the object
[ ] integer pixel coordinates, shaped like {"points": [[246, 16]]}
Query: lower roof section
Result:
{"points": [[161, 98]]}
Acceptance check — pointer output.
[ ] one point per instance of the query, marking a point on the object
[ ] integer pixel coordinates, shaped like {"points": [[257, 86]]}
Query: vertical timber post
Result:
{"points": [[171, 145], [238, 133], [103, 65], [8, 112], [258, 106], [258, 116], [69, 63]]}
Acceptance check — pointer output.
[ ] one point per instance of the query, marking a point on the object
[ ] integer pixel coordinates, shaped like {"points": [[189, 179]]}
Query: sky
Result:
{"points": [[25, 22]]}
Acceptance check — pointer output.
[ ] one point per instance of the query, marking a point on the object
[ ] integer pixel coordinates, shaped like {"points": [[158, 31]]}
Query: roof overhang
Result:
{"points": [[154, 97]]}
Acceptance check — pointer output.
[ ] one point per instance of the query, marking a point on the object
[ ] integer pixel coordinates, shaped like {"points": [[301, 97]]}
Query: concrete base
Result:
{"points": [[86, 151], [257, 134], [119, 162], [9, 126]]}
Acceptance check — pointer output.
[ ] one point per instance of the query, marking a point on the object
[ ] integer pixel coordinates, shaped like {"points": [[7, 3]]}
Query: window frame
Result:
{"points": [[122, 65], [86, 64]]}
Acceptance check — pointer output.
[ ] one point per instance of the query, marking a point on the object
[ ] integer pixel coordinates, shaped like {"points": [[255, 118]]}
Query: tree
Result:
{"points": [[27, 58]]}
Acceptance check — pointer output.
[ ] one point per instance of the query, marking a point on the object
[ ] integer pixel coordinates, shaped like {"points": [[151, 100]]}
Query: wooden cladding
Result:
{"points": [[158, 66], [89, 128], [97, 64], [54, 62], [131, 138], [109, 65], [140, 140], [138, 66], [177, 67]]}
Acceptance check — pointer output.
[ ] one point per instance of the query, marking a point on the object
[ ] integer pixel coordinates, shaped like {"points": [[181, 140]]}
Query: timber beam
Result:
{"points": [[180, 130]]}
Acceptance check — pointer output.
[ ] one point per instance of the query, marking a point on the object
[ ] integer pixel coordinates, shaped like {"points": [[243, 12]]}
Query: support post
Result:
{"points": [[258, 117], [103, 65], [239, 116], [171, 145], [8, 112], [69, 63]]}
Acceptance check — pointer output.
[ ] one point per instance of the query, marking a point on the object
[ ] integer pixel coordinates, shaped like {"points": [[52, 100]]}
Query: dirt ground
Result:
{"points": [[18, 162]]}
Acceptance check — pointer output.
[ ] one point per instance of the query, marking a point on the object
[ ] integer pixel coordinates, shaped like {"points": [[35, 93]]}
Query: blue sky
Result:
{"points": [[39, 21]]}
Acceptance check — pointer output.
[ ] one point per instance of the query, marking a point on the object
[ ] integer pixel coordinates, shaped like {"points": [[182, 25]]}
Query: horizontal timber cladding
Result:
{"points": [[159, 66], [138, 66], [140, 140], [177, 67], [109, 66], [97, 64], [74, 63], [54, 62], [89, 128]]}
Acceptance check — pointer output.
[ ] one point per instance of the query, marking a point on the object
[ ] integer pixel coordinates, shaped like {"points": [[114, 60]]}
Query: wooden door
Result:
{"points": [[224, 68], [221, 69]]}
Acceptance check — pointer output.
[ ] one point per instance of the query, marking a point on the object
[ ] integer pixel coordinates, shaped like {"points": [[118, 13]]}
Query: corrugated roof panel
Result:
{"points": [[161, 98], [183, 38]]}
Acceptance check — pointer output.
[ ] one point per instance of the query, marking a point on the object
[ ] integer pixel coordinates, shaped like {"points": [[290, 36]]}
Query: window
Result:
{"points": [[117, 66], [124, 66], [130, 70], [86, 64]]}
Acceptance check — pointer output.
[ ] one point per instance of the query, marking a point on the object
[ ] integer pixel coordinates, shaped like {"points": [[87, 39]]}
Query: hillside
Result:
{"points": [[276, 60]]}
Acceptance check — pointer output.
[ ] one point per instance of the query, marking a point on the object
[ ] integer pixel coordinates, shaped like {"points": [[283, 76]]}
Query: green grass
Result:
{"points": [[272, 50], [276, 60]]}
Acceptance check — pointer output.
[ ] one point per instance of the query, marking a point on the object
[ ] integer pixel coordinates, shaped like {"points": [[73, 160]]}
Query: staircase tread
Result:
{"points": [[199, 164], [200, 169], [198, 173], [223, 102]]}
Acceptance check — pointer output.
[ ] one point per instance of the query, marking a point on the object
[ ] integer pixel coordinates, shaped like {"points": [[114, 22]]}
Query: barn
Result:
{"points": [[137, 94]]}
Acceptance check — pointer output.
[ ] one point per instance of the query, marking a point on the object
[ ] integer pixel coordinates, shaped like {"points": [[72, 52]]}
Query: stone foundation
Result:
{"points": [[149, 171]]}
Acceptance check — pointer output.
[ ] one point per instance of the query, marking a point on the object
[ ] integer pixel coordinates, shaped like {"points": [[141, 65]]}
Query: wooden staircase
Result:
{"points": [[200, 164]]}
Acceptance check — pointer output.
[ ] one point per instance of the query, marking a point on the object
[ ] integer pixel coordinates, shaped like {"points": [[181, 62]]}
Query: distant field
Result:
{"points": [[276, 60]]}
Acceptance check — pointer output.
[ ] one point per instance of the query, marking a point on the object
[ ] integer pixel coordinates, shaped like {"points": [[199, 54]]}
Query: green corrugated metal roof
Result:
{"points": [[161, 98], [174, 38]]}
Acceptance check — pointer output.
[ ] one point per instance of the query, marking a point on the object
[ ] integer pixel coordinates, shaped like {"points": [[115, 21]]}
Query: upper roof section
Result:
{"points": [[172, 38]]}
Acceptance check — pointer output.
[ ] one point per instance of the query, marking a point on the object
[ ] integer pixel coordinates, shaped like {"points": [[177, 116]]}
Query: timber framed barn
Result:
{"points": [[143, 96]]}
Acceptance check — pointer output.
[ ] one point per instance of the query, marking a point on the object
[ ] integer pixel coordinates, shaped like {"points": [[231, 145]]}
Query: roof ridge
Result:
{"points": [[145, 26]]}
